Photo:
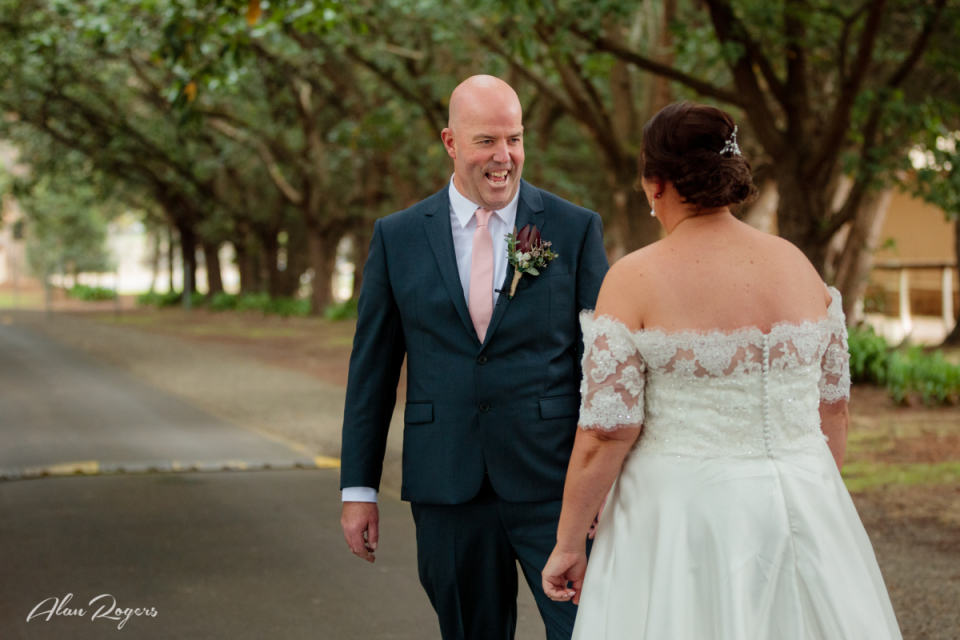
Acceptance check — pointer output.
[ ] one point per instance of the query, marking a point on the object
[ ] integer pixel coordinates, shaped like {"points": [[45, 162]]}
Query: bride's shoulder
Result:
{"points": [[628, 283]]}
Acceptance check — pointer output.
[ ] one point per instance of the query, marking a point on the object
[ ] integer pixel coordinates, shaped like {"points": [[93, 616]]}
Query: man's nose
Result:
{"points": [[501, 153]]}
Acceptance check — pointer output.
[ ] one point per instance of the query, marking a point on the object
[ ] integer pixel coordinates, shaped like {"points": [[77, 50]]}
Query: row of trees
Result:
{"points": [[234, 121]]}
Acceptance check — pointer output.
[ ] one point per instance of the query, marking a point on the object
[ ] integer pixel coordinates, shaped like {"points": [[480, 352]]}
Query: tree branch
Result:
{"points": [[797, 103], [603, 43], [835, 135], [273, 168], [753, 100]]}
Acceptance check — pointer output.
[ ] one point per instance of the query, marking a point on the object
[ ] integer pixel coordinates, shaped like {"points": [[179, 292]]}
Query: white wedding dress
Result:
{"points": [[729, 519]]}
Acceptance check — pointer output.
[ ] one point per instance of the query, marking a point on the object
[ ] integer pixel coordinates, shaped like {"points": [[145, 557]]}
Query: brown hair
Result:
{"points": [[682, 144]]}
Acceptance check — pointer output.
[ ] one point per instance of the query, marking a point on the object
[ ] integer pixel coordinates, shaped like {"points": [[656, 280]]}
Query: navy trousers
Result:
{"points": [[467, 556]]}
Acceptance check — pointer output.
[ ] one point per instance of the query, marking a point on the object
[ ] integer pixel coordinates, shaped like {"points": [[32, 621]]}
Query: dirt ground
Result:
{"points": [[903, 463]]}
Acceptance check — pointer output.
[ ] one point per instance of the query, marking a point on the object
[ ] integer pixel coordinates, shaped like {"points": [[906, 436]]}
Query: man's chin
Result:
{"points": [[497, 198]]}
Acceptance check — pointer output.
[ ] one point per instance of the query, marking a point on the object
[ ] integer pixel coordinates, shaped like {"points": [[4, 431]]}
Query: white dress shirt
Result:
{"points": [[463, 222]]}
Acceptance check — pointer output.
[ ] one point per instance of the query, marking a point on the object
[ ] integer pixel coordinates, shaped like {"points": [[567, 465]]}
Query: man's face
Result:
{"points": [[486, 145]]}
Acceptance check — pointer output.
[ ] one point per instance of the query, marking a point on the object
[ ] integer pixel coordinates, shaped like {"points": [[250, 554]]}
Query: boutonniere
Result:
{"points": [[527, 254]]}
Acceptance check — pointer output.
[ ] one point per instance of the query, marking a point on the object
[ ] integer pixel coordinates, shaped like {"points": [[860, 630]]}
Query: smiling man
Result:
{"points": [[492, 381]]}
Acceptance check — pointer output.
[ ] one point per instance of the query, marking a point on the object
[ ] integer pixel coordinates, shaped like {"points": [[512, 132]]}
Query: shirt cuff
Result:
{"points": [[359, 494]]}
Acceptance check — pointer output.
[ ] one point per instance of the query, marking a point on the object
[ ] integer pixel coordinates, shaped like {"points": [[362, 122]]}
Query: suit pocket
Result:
{"points": [[559, 407], [418, 413]]}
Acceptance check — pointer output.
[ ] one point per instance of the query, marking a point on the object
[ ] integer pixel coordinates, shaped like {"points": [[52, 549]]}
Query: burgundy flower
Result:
{"points": [[528, 238]]}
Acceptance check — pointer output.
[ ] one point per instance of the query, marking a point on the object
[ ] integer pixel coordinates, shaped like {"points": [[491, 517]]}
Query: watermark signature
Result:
{"points": [[107, 610]]}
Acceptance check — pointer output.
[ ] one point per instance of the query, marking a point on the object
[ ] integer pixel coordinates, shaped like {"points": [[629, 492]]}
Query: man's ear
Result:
{"points": [[447, 136]]}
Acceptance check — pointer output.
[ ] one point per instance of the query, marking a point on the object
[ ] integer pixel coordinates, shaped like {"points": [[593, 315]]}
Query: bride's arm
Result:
{"points": [[594, 464], [834, 419], [610, 420]]}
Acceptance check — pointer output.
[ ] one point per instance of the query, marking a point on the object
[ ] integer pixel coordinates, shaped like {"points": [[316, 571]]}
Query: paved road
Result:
{"points": [[230, 555], [58, 406], [216, 555]]}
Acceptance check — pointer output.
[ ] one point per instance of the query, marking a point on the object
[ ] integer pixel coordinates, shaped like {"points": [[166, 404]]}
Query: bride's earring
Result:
{"points": [[653, 211]]}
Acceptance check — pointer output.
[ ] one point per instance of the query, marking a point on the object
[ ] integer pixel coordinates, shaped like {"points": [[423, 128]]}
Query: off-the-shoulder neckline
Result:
{"points": [[834, 313]]}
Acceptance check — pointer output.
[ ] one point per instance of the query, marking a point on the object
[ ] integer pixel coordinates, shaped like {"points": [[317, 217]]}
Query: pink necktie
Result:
{"points": [[481, 275]]}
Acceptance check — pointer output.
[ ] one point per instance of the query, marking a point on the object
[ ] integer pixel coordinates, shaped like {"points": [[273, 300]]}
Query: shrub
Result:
{"points": [[280, 306], [223, 302], [869, 354], [90, 294], [346, 310], [169, 299], [903, 372], [252, 302], [286, 307]]}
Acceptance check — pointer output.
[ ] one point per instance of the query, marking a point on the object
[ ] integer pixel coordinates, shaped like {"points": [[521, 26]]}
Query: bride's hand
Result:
{"points": [[561, 568]]}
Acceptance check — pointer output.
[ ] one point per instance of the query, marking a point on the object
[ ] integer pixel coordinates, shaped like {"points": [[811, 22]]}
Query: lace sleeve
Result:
{"points": [[835, 365], [613, 376]]}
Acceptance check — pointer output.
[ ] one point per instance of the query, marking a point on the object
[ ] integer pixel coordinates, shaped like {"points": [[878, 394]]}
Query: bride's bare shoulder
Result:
{"points": [[628, 282]]}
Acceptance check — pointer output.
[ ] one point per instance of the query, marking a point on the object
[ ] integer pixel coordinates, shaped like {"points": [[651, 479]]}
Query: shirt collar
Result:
{"points": [[464, 209]]}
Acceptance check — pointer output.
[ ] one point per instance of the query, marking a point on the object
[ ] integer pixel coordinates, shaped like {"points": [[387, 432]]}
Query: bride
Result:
{"points": [[714, 420]]}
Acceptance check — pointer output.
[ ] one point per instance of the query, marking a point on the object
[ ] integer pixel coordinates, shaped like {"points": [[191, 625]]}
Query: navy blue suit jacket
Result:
{"points": [[508, 406]]}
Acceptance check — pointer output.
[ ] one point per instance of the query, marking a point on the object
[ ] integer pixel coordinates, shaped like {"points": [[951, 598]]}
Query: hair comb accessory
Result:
{"points": [[731, 146]]}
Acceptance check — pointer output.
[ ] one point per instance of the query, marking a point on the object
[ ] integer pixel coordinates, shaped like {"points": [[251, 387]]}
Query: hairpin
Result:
{"points": [[731, 144]]}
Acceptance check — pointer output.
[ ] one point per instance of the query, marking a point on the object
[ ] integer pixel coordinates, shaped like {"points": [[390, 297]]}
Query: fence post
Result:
{"points": [[906, 321], [947, 306]]}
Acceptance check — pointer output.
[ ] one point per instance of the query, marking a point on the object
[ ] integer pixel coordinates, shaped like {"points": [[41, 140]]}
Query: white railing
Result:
{"points": [[904, 267]]}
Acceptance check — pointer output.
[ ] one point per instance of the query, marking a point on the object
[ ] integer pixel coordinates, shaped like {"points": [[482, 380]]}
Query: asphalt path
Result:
{"points": [[230, 554], [243, 555], [59, 406]]}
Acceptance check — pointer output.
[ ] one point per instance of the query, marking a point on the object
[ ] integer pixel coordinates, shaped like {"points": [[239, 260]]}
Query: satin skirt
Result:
{"points": [[733, 549]]}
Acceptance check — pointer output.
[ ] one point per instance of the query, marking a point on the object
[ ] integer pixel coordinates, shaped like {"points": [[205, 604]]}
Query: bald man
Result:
{"points": [[492, 381]]}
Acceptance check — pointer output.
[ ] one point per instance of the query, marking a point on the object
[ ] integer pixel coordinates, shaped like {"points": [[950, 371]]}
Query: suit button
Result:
{"points": [[482, 359], [484, 407]]}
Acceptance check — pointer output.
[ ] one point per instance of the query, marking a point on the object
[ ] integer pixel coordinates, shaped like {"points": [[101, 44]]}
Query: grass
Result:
{"points": [[861, 476], [26, 300]]}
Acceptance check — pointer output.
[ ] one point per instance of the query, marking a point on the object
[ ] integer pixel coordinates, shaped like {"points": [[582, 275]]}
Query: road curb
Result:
{"points": [[95, 468]]}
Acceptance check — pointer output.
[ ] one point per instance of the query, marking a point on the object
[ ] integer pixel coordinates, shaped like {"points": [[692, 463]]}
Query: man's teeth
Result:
{"points": [[498, 175]]}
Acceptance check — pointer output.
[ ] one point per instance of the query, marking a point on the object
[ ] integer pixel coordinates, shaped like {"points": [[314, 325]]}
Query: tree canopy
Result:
{"points": [[284, 126]]}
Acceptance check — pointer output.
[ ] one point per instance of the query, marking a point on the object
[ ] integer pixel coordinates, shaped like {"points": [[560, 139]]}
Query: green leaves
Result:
{"points": [[904, 373]]}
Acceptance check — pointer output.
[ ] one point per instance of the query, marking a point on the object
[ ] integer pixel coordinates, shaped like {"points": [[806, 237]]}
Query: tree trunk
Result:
{"points": [[298, 257], [323, 260], [155, 261], [633, 226], [171, 253], [762, 213], [853, 266], [953, 340], [801, 207], [269, 250], [361, 249], [214, 278], [248, 279], [188, 252]]}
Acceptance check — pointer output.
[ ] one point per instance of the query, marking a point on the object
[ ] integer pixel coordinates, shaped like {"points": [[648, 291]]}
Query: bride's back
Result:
{"points": [[712, 272], [717, 273]]}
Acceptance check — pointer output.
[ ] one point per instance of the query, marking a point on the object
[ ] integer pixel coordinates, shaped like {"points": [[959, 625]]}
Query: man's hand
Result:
{"points": [[361, 528]]}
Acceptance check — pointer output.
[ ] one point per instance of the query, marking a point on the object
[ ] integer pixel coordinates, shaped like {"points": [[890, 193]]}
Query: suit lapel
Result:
{"points": [[528, 212], [440, 235]]}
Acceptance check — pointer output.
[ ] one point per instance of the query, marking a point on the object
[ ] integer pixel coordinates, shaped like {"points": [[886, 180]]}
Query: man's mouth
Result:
{"points": [[497, 178]]}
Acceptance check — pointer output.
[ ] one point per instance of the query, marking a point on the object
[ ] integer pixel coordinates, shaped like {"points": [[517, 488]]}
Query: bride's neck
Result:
{"points": [[693, 221]]}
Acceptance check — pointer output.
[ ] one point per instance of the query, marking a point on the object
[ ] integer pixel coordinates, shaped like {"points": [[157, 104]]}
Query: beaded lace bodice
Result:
{"points": [[744, 393]]}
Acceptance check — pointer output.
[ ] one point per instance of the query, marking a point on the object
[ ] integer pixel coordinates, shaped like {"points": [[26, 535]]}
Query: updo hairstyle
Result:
{"points": [[682, 144]]}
